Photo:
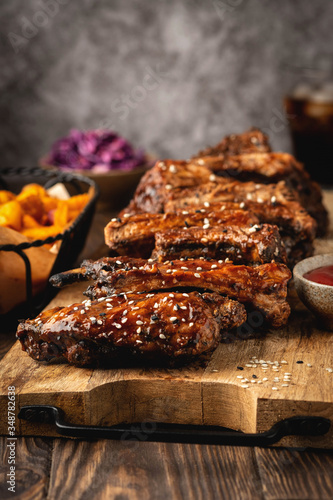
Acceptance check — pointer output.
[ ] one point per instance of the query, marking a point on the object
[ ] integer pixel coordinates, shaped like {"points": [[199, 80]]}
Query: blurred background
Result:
{"points": [[171, 76]]}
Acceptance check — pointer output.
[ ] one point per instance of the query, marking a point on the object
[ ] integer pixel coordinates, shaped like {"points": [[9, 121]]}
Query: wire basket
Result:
{"points": [[72, 238]]}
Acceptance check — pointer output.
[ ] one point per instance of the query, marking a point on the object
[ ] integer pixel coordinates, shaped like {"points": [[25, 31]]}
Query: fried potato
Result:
{"points": [[42, 232], [6, 196], [35, 189], [38, 215], [29, 222], [31, 204], [11, 215]]}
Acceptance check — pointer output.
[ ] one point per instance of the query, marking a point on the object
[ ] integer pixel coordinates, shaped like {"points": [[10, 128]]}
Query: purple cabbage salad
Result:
{"points": [[95, 150]]}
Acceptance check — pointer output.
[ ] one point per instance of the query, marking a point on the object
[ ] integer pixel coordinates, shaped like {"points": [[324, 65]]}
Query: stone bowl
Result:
{"points": [[316, 297]]}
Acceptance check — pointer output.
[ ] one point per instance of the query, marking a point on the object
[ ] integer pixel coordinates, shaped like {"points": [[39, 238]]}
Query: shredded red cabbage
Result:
{"points": [[95, 150]]}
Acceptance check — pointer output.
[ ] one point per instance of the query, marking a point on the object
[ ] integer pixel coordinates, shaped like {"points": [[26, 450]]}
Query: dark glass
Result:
{"points": [[311, 124]]}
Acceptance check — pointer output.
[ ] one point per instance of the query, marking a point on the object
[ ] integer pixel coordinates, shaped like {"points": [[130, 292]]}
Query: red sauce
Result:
{"points": [[322, 275]]}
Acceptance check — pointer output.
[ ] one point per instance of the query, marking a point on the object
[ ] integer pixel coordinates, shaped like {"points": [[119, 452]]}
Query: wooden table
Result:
{"points": [[77, 469]]}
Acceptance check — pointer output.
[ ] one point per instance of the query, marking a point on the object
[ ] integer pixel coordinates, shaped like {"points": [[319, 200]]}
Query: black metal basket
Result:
{"points": [[72, 238]]}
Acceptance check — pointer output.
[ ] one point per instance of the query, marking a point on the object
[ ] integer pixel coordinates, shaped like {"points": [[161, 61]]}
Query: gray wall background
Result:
{"points": [[172, 76]]}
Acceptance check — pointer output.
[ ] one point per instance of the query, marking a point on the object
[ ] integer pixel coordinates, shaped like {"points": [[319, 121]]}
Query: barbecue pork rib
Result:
{"points": [[268, 168], [272, 203], [263, 288], [94, 269], [248, 245], [251, 141], [164, 175], [161, 327], [135, 235]]}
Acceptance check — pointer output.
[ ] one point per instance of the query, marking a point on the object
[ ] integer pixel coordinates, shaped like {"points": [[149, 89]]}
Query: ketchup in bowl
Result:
{"points": [[322, 275]]}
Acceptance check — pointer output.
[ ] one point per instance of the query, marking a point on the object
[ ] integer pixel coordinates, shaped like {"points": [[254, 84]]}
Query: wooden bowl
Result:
{"points": [[116, 187]]}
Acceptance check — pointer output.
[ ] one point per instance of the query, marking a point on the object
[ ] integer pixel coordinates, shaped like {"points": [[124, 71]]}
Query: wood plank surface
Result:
{"points": [[153, 471]]}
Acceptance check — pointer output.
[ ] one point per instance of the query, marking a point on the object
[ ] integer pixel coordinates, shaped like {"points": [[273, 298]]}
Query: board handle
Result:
{"points": [[294, 426]]}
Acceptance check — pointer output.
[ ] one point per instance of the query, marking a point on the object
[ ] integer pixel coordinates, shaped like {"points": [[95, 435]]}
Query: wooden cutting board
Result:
{"points": [[211, 394]]}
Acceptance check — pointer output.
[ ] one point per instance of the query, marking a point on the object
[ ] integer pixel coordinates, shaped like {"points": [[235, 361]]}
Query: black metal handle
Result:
{"points": [[294, 426]]}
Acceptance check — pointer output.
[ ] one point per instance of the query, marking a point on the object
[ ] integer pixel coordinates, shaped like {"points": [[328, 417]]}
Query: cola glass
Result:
{"points": [[310, 114]]}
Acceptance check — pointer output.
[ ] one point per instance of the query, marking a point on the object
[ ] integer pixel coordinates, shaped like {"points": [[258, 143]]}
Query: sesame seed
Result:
{"points": [[253, 381], [168, 186], [76, 309], [309, 365], [126, 215], [82, 311], [205, 226], [242, 205], [265, 379], [259, 382], [173, 318], [275, 389], [212, 177], [286, 373], [197, 275], [135, 308], [117, 325], [284, 385], [199, 268], [184, 268], [214, 266], [191, 324], [273, 199], [118, 262], [283, 362], [171, 295], [124, 320], [131, 302], [150, 260], [169, 271], [172, 169], [206, 221], [244, 386], [183, 307], [206, 204], [139, 322], [162, 336], [184, 212], [248, 365], [138, 341], [239, 376], [329, 370], [113, 220], [99, 322], [138, 330]]}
